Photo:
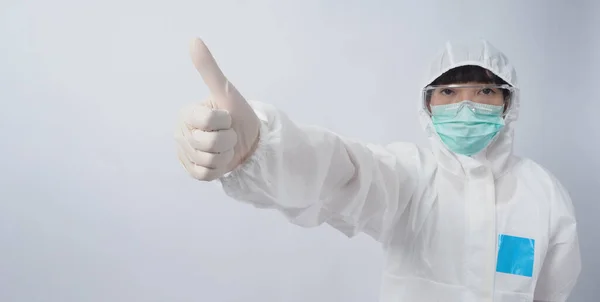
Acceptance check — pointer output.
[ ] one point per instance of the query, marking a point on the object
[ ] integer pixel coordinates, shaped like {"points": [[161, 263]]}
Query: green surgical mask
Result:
{"points": [[467, 127]]}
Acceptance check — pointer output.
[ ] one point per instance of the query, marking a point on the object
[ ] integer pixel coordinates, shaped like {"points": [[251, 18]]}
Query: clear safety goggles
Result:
{"points": [[452, 110], [487, 95]]}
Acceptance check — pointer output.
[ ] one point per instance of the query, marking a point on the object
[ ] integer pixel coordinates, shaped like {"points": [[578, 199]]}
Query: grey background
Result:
{"points": [[95, 207]]}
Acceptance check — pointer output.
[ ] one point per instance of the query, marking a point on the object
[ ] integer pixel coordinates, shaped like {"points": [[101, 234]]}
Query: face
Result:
{"points": [[472, 91]]}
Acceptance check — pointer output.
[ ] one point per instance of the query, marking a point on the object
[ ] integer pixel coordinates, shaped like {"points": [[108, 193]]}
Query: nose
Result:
{"points": [[464, 94]]}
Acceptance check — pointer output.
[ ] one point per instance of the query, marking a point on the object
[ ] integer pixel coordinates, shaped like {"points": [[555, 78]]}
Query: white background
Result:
{"points": [[94, 205]]}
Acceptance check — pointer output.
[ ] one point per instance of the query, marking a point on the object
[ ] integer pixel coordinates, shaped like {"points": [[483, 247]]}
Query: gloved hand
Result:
{"points": [[216, 136]]}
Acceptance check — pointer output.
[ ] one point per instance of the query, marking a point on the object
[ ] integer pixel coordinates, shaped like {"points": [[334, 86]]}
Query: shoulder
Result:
{"points": [[531, 171], [534, 175], [403, 148], [410, 151], [418, 159]]}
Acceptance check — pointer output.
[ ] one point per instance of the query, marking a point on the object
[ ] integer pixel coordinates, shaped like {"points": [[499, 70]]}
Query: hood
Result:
{"points": [[498, 155]]}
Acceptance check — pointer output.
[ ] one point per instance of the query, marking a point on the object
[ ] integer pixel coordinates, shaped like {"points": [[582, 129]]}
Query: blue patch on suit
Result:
{"points": [[515, 255]]}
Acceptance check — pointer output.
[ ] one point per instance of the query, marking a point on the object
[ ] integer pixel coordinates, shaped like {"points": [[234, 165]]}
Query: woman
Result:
{"points": [[465, 220]]}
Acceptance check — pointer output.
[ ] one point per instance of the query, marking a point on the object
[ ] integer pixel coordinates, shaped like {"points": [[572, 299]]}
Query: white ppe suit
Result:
{"points": [[492, 227]]}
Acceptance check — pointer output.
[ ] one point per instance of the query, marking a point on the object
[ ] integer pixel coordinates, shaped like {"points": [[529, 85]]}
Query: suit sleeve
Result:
{"points": [[314, 176], [562, 264]]}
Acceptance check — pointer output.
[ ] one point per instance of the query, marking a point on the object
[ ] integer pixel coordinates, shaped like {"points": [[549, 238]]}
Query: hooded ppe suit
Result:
{"points": [[491, 227]]}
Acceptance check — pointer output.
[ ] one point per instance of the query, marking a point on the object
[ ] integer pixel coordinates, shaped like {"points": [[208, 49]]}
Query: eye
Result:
{"points": [[447, 91], [488, 91]]}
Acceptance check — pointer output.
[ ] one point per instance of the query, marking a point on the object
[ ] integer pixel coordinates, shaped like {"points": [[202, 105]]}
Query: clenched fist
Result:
{"points": [[215, 136]]}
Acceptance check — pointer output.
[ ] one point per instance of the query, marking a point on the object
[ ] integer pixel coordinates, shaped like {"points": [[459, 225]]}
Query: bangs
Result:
{"points": [[467, 74]]}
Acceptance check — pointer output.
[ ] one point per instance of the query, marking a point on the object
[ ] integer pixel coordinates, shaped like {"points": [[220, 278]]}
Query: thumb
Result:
{"points": [[223, 92]]}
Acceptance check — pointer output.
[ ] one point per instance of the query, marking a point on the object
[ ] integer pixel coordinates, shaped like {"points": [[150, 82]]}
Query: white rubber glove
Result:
{"points": [[218, 135]]}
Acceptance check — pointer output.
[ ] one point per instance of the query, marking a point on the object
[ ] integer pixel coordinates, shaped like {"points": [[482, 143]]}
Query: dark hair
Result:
{"points": [[468, 73]]}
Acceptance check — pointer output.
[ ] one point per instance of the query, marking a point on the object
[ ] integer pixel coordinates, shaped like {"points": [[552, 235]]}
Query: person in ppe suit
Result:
{"points": [[463, 221]]}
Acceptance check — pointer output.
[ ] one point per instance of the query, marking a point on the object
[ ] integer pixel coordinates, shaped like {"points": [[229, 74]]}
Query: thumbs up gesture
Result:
{"points": [[218, 135]]}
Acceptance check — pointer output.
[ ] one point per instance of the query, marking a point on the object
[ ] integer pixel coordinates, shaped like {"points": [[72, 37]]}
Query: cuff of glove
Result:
{"points": [[235, 182]]}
